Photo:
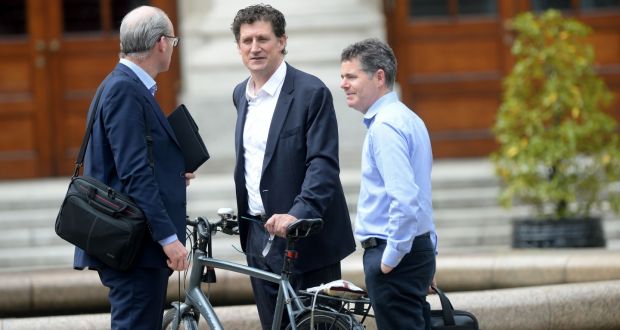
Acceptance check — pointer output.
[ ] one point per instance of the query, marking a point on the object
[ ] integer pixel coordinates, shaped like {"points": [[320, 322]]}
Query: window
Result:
{"points": [[122, 7], [585, 5], [600, 4], [451, 8], [88, 15], [12, 17], [81, 15]]}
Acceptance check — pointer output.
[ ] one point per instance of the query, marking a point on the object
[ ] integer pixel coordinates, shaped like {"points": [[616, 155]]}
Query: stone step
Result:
{"points": [[477, 216], [59, 253], [32, 247], [465, 192], [25, 228], [449, 206], [48, 193]]}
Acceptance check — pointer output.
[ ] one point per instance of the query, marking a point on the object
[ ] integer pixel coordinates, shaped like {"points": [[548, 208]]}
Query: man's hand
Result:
{"points": [[177, 256], [189, 176], [278, 223], [433, 283], [385, 268]]}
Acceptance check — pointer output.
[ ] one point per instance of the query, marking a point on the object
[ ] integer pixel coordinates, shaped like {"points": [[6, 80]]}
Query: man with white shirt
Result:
{"points": [[395, 212], [287, 167], [150, 171]]}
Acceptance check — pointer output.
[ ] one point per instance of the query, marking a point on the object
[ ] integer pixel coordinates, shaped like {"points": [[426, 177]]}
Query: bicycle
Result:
{"points": [[305, 310]]}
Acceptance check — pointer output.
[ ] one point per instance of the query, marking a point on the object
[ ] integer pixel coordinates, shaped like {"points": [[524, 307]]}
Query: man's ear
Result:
{"points": [[161, 45], [380, 74], [283, 40]]}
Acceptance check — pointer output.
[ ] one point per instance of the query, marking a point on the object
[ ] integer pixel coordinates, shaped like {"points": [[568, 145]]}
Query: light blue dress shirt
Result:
{"points": [[151, 85], [144, 77], [395, 202]]}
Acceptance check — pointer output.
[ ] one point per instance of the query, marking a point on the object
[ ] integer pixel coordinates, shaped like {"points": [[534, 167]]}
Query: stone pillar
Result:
{"points": [[317, 31]]}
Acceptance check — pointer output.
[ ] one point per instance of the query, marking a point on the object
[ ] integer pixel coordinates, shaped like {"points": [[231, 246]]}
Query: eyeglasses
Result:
{"points": [[175, 40]]}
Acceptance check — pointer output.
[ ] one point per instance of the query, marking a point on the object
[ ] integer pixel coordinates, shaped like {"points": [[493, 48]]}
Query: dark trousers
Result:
{"points": [[399, 298], [137, 296], [265, 292]]}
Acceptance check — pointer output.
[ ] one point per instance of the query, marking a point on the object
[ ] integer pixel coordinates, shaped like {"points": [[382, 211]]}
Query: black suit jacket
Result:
{"points": [[301, 172]]}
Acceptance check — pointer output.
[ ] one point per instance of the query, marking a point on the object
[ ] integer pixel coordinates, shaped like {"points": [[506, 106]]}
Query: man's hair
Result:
{"points": [[373, 54], [260, 12], [140, 34]]}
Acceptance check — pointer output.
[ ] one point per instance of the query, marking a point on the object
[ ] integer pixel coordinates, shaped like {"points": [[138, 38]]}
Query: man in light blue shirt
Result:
{"points": [[395, 213]]}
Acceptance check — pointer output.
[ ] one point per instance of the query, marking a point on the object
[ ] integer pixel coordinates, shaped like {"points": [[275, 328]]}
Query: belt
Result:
{"points": [[261, 218], [373, 241]]}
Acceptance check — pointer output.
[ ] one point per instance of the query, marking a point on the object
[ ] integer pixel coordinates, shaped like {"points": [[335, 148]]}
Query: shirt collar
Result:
{"points": [[369, 116], [144, 77], [271, 86]]}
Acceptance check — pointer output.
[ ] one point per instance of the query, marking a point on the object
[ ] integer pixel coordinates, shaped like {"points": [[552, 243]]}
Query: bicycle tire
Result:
{"points": [[324, 321], [188, 322]]}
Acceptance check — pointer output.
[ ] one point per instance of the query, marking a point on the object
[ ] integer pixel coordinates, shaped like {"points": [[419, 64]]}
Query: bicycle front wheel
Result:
{"points": [[188, 322], [324, 321]]}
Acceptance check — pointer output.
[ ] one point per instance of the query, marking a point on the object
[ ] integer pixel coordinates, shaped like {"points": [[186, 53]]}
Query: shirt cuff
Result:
{"points": [[168, 240], [391, 257]]}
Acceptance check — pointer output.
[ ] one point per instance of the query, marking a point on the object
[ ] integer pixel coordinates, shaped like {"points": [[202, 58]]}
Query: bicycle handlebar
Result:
{"points": [[229, 224]]}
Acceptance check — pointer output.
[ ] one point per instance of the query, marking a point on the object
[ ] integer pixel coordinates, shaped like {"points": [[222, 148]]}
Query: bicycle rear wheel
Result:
{"points": [[188, 322], [325, 321]]}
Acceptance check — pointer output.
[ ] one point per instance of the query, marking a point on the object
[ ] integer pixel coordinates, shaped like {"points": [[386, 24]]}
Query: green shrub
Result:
{"points": [[559, 150]]}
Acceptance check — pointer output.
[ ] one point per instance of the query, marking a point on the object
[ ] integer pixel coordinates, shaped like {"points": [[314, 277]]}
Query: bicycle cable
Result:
{"points": [[316, 294], [179, 309], [189, 259]]}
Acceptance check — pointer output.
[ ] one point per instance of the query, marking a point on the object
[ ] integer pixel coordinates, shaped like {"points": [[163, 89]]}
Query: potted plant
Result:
{"points": [[558, 149]]}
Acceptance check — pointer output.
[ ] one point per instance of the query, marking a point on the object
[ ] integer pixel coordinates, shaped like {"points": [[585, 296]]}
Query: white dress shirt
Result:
{"points": [[261, 106]]}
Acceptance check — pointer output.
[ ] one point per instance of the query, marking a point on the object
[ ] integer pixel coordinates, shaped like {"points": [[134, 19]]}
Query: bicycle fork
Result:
{"points": [[194, 297]]}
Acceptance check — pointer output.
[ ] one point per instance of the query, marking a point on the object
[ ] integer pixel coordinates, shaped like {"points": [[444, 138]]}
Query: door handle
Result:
{"points": [[39, 46], [54, 45]]}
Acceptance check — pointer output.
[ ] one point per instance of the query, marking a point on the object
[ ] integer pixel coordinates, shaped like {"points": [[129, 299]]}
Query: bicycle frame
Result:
{"points": [[196, 298]]}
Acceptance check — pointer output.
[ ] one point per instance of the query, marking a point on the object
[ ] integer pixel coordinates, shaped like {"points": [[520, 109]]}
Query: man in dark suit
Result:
{"points": [[287, 168], [118, 154]]}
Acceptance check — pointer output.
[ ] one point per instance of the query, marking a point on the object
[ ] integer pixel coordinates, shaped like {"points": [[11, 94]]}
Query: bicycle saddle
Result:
{"points": [[301, 228]]}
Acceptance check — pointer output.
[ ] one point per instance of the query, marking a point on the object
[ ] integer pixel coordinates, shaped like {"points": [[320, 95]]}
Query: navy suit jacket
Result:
{"points": [[301, 170], [117, 155]]}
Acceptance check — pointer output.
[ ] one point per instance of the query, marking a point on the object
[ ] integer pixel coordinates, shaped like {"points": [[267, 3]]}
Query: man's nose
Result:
{"points": [[255, 46]]}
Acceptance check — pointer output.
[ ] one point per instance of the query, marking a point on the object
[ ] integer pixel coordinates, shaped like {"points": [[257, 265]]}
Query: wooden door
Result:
{"points": [[453, 55], [24, 98], [450, 69], [50, 70]]}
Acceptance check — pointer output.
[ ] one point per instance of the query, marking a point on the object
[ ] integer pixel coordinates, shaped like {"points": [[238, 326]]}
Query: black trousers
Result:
{"points": [[399, 298], [265, 292]]}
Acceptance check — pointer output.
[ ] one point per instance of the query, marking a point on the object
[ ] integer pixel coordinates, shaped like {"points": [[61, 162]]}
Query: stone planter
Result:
{"points": [[562, 233]]}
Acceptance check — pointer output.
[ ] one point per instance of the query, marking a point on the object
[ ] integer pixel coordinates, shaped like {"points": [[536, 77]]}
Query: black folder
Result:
{"points": [[193, 148]]}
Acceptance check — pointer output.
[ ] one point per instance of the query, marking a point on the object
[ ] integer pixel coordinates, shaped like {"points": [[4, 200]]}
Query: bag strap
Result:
{"points": [[446, 307], [89, 129]]}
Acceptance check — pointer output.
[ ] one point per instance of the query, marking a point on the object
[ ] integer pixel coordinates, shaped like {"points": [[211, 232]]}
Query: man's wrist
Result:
{"points": [[168, 240]]}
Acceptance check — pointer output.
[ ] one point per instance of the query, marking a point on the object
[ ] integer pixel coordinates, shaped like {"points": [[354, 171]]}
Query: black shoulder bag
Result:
{"points": [[450, 319], [106, 224]]}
